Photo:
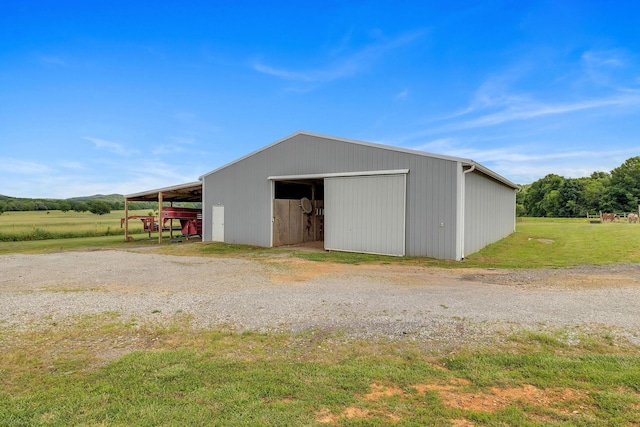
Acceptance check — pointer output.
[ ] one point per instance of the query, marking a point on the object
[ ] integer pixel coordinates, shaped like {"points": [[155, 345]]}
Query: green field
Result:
{"points": [[537, 242], [560, 242], [45, 225], [113, 371]]}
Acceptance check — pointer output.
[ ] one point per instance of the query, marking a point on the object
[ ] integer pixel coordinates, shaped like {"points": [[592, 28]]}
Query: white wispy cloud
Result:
{"points": [[52, 61], [526, 163], [66, 164], [605, 67], [345, 67], [517, 154], [496, 102], [22, 167], [604, 58], [534, 110], [402, 95], [113, 147]]}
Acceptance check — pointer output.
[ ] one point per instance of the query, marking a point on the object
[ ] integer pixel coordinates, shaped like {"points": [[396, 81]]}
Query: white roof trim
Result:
{"points": [[165, 189], [338, 175]]}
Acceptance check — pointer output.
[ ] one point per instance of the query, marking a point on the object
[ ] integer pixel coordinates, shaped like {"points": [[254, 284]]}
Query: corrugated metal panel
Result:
{"points": [[245, 191], [489, 212], [365, 214]]}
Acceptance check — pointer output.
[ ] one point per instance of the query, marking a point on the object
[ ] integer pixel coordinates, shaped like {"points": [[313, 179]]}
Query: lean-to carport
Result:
{"points": [[190, 192]]}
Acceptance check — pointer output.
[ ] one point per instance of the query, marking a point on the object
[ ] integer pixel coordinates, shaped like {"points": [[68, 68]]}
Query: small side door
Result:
{"points": [[217, 224]]}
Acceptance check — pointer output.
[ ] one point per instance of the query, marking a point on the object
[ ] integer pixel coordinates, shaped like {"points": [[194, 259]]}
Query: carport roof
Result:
{"points": [[190, 192]]}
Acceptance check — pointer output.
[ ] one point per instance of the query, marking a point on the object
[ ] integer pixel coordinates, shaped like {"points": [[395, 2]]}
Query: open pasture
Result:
{"points": [[45, 225], [562, 242]]}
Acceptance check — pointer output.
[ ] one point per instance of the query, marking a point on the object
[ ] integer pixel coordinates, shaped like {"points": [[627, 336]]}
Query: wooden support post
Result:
{"points": [[313, 217], [171, 224], [160, 217], [126, 220]]}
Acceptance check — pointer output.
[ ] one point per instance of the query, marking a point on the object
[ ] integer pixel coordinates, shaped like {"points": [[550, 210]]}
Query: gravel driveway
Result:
{"points": [[282, 293]]}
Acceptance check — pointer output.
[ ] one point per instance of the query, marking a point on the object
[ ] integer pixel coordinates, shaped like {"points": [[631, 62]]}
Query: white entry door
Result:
{"points": [[217, 224]]}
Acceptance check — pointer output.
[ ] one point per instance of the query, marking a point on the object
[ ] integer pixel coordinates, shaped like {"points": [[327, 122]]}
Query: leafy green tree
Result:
{"points": [[520, 197], [64, 206], [81, 207], [571, 203], [99, 207], [624, 191], [594, 193], [543, 196], [117, 205]]}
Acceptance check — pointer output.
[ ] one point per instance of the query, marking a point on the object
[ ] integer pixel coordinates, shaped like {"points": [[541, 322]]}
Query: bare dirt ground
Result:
{"points": [[441, 306]]}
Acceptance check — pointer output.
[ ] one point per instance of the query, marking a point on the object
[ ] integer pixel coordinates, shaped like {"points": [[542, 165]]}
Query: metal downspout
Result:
{"points": [[464, 198]]}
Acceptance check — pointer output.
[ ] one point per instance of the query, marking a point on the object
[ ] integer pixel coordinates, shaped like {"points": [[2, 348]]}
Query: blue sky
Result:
{"points": [[122, 97]]}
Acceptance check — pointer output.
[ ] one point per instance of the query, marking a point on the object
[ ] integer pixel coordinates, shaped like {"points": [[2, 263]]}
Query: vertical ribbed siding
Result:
{"points": [[245, 192], [365, 214], [489, 212]]}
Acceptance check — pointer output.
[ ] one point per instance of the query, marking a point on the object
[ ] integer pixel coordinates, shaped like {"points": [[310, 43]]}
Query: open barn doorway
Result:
{"points": [[298, 213]]}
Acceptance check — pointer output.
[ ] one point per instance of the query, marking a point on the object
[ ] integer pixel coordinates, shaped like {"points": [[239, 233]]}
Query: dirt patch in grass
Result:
{"points": [[461, 423], [292, 270], [379, 391], [546, 241], [455, 394], [354, 413]]}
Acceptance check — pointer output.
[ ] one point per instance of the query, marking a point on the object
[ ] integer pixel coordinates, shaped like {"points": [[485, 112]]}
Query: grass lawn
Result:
{"points": [[73, 374], [109, 370], [537, 242], [544, 242]]}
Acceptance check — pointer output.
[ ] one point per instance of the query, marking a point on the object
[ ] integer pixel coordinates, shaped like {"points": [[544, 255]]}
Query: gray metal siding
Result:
{"points": [[489, 212], [245, 191], [365, 214]]}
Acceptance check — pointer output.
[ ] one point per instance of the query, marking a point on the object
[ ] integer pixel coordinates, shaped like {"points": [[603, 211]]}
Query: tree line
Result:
{"points": [[95, 204], [557, 196]]}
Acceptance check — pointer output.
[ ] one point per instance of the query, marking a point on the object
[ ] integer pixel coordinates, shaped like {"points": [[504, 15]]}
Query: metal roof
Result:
{"points": [[190, 192], [467, 162]]}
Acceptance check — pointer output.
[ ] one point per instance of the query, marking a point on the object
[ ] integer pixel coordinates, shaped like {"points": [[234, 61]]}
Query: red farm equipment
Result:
{"points": [[190, 221]]}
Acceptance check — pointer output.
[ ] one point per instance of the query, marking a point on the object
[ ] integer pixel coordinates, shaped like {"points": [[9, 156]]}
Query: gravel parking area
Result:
{"points": [[287, 294]]}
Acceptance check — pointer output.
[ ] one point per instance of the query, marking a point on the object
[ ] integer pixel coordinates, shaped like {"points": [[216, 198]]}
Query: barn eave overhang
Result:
{"points": [[189, 192], [491, 174]]}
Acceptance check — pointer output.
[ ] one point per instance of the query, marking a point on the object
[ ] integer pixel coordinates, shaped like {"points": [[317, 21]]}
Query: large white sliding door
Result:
{"points": [[365, 214]]}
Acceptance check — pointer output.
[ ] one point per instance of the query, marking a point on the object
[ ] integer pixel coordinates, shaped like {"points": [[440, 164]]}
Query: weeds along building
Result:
{"points": [[347, 195]]}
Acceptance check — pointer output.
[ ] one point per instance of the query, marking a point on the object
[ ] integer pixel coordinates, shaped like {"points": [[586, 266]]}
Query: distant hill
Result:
{"points": [[102, 197]]}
